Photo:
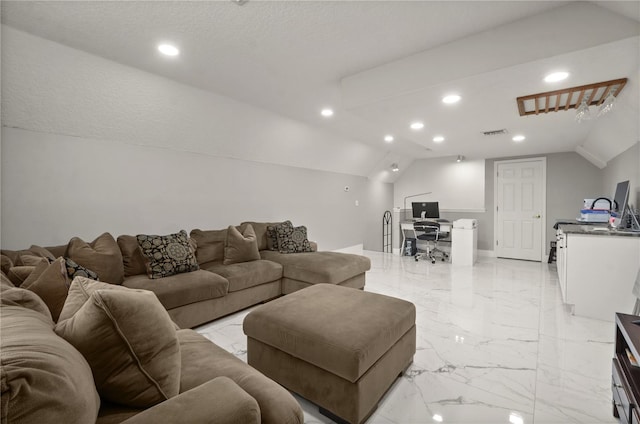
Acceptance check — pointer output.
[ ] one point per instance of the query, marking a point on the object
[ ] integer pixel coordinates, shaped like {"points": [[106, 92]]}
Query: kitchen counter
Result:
{"points": [[596, 229], [596, 268]]}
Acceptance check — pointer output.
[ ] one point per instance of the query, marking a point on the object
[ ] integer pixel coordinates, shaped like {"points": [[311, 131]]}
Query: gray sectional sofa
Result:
{"points": [[55, 319], [216, 289]]}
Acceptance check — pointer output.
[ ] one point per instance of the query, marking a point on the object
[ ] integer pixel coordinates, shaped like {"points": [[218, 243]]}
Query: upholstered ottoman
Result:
{"points": [[300, 270], [337, 347]]}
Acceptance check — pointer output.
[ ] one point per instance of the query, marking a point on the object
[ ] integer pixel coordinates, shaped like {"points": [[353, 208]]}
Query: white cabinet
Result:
{"points": [[464, 246], [561, 262], [597, 272]]}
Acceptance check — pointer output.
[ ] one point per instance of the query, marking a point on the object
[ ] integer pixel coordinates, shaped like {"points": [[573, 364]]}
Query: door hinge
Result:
{"points": [[497, 173], [496, 242], [497, 208]]}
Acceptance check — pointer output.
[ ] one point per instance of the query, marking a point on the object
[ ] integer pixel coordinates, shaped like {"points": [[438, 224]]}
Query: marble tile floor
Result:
{"points": [[494, 345]]}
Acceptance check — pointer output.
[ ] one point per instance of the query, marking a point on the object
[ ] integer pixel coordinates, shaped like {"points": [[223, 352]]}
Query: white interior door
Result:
{"points": [[520, 205]]}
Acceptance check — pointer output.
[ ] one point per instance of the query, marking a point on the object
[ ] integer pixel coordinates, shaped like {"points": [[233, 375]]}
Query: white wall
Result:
{"points": [[52, 88], [570, 178], [89, 145], [455, 186]]}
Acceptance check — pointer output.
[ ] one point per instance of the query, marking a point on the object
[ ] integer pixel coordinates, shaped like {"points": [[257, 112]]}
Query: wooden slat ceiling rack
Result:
{"points": [[569, 98]]}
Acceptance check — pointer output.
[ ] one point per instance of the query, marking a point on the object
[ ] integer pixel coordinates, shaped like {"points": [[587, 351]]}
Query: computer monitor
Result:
{"points": [[425, 210], [621, 198]]}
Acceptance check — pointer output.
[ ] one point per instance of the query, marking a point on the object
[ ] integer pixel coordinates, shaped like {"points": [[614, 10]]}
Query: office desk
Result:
{"points": [[408, 225]]}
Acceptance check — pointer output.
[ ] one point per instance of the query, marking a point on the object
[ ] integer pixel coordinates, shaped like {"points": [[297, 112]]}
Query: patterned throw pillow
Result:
{"points": [[293, 239], [168, 255], [74, 270], [272, 234]]}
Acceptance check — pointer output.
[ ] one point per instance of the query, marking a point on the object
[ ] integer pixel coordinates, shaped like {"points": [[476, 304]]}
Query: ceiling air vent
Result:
{"points": [[496, 132]]}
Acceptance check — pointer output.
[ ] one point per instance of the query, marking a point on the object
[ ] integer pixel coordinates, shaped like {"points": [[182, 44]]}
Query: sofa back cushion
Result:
{"points": [[128, 339], [210, 244], [43, 378], [260, 228], [101, 256], [26, 257], [14, 296], [133, 260]]}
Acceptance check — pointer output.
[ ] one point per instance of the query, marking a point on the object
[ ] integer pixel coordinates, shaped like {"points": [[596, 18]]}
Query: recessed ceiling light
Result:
{"points": [[388, 138], [168, 49], [437, 418], [452, 98], [417, 125], [438, 139], [556, 76], [326, 112], [518, 138]]}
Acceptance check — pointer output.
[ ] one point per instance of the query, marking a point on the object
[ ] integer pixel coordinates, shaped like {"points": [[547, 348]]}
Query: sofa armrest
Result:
{"points": [[314, 246], [218, 401]]}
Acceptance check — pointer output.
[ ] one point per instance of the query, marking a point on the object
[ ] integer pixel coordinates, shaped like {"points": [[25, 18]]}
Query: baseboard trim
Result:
{"points": [[356, 249], [487, 253]]}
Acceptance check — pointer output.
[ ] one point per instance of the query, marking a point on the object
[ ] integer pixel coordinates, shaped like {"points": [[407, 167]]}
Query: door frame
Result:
{"points": [[543, 223]]}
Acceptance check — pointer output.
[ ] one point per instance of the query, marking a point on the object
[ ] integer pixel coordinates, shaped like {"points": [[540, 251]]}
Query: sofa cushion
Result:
{"points": [[203, 361], [319, 267], [5, 283], [181, 289], [18, 274], [246, 274], [14, 296], [293, 239], [133, 260], [42, 377], [130, 343], [5, 264], [210, 244], [27, 257], [272, 235], [168, 255], [51, 283], [102, 256], [240, 247]]}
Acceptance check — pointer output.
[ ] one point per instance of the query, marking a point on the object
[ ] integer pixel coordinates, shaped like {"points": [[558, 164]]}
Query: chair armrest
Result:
{"points": [[314, 246], [218, 401]]}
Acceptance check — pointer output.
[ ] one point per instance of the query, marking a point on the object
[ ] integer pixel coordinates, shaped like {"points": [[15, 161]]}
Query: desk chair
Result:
{"points": [[430, 232]]}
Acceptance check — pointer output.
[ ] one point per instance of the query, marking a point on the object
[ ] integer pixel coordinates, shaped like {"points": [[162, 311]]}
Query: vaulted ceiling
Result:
{"points": [[380, 65]]}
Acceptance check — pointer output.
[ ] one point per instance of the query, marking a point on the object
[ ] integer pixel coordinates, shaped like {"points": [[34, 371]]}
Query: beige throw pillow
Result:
{"points": [[101, 256], [241, 247], [51, 283], [128, 340]]}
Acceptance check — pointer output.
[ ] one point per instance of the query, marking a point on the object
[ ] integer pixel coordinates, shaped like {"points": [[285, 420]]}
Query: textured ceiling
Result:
{"points": [[294, 57]]}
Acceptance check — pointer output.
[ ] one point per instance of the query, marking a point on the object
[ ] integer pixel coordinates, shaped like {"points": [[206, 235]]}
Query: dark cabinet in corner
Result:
{"points": [[625, 381]]}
